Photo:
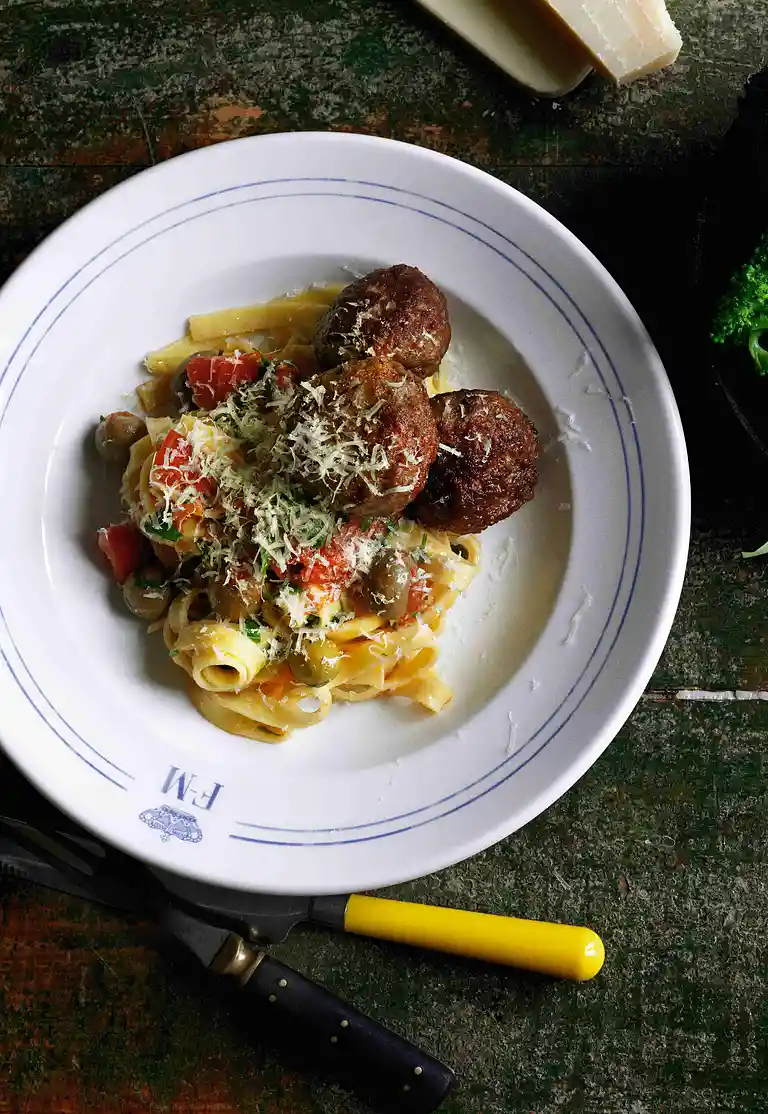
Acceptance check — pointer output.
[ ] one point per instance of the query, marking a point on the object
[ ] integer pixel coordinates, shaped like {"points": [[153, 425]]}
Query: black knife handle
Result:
{"points": [[356, 1046]]}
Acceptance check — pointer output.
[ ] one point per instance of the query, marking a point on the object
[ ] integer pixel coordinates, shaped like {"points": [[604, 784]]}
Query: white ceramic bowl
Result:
{"points": [[547, 652]]}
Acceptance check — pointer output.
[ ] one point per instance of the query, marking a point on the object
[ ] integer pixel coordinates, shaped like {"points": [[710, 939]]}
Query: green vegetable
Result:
{"points": [[319, 539], [420, 552], [161, 526], [742, 319], [252, 630], [142, 581], [742, 316]]}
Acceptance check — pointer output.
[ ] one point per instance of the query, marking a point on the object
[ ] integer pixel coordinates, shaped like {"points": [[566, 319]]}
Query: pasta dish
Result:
{"points": [[302, 499]]}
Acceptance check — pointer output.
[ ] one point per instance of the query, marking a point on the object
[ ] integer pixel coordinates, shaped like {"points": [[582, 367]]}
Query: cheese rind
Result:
{"points": [[628, 39]]}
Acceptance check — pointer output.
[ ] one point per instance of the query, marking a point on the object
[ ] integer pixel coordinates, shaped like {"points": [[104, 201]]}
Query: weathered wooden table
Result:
{"points": [[662, 846]]}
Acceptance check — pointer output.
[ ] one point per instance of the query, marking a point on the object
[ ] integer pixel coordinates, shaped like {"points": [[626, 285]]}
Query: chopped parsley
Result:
{"points": [[161, 525], [420, 552], [252, 630], [339, 618], [142, 581]]}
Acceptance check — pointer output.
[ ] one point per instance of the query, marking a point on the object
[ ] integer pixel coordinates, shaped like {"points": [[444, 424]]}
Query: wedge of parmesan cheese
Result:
{"points": [[627, 38], [519, 36]]}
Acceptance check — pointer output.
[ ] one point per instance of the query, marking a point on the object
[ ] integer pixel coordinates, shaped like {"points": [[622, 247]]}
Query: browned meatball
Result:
{"points": [[361, 437], [486, 463], [394, 312]]}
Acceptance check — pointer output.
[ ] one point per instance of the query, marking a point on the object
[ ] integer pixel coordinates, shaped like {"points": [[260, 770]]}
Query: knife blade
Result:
{"points": [[368, 1057], [263, 918]]}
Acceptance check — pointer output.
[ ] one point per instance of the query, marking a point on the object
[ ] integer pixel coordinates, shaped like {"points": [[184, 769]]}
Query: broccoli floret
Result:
{"points": [[742, 316]]}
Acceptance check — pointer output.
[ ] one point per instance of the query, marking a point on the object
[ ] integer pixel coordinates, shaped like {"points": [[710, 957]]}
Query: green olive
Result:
{"points": [[316, 663], [180, 388], [116, 433], [146, 594], [387, 585], [235, 600]]}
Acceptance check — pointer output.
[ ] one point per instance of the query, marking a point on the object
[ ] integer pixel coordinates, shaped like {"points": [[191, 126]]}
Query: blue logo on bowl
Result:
{"points": [[172, 822]]}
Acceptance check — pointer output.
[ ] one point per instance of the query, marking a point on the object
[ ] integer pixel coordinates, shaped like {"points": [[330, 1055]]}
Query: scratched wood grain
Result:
{"points": [[662, 846]]}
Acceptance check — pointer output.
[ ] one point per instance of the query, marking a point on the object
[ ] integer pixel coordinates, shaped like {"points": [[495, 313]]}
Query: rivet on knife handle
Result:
{"points": [[563, 950]]}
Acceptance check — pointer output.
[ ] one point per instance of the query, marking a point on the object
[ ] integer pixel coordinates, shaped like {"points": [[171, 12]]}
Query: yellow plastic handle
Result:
{"points": [[563, 950]]}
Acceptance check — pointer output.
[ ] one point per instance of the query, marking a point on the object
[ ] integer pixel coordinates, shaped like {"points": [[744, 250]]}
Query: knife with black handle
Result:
{"points": [[371, 1057], [365, 1056]]}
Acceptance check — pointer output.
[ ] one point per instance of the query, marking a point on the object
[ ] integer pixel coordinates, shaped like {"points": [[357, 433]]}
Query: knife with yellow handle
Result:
{"points": [[562, 950]]}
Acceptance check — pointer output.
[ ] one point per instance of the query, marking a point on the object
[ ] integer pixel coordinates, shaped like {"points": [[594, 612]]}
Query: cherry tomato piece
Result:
{"points": [[213, 378], [124, 546], [173, 466]]}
